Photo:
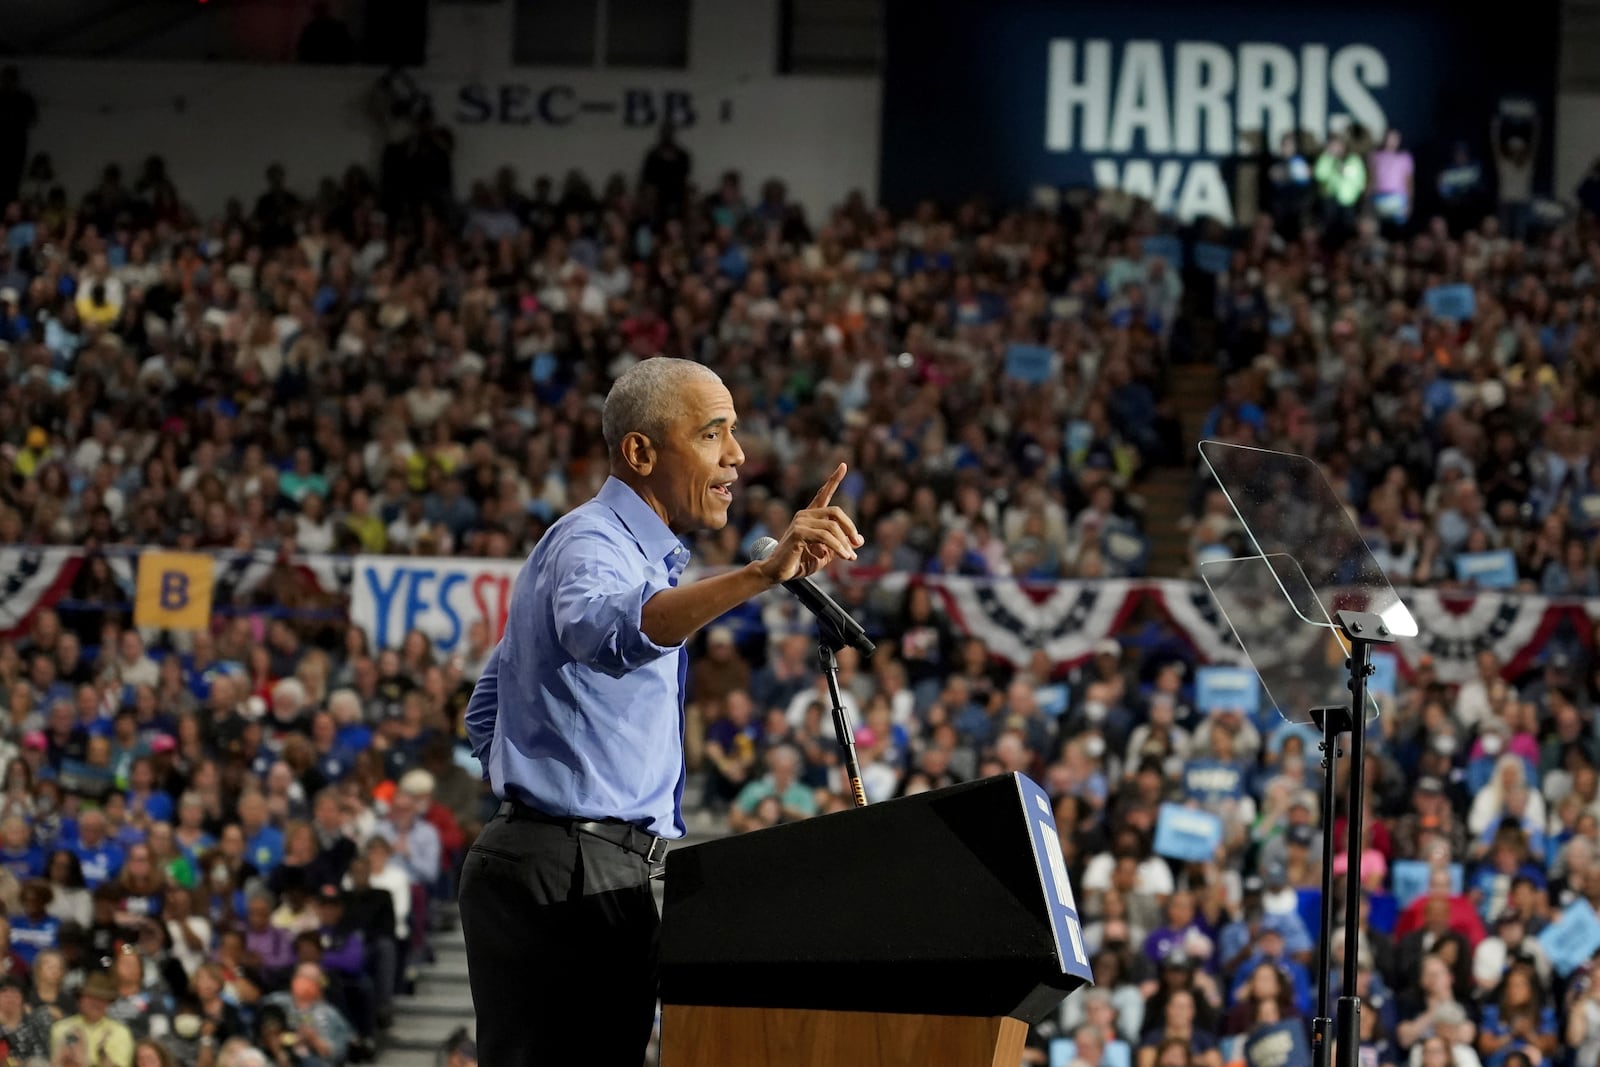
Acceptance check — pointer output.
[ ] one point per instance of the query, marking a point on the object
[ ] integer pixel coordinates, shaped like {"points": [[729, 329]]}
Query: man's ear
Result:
{"points": [[638, 453]]}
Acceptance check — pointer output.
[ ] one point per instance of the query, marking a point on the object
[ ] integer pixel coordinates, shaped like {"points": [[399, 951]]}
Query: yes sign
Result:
{"points": [[392, 595]]}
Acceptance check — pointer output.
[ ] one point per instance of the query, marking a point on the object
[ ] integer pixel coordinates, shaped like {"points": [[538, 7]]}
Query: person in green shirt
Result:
{"points": [[783, 781], [1341, 178], [365, 523], [303, 478], [164, 847]]}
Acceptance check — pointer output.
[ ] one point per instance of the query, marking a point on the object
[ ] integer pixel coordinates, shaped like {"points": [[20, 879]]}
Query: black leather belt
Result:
{"points": [[622, 834]]}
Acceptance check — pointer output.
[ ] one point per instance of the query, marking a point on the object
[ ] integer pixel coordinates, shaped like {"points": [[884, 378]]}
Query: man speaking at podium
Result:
{"points": [[578, 718]]}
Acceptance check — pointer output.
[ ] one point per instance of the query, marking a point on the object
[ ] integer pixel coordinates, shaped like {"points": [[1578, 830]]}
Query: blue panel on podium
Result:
{"points": [[1063, 907]]}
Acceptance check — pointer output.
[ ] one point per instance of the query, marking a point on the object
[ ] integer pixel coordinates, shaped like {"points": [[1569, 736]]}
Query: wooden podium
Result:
{"points": [[788, 1036], [930, 930]]}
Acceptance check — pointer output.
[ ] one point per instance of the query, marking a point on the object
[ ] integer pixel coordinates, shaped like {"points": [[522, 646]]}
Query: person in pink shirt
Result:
{"points": [[1393, 181], [1374, 867]]}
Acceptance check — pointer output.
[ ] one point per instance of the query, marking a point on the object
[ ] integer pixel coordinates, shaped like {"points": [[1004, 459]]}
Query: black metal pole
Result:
{"points": [[1322, 1024], [841, 722], [1349, 1002]]}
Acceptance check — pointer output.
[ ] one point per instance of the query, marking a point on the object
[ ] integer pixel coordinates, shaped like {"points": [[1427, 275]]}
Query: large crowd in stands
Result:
{"points": [[221, 849], [213, 868]]}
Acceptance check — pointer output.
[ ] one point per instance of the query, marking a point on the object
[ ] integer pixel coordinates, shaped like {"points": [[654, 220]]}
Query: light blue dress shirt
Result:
{"points": [[577, 712]]}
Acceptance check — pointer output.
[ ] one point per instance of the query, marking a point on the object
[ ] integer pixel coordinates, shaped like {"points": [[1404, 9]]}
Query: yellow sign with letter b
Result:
{"points": [[174, 591]]}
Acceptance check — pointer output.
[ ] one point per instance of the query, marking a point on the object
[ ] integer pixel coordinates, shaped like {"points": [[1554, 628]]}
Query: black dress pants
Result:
{"points": [[562, 934]]}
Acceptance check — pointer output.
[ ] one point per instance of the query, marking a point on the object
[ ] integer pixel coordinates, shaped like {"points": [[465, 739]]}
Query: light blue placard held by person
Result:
{"points": [[1487, 570], [1411, 879], [1227, 689], [1187, 834], [1571, 939], [1029, 363], [1457, 303]]}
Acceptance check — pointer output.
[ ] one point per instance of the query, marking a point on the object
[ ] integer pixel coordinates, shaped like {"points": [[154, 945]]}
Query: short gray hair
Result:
{"points": [[647, 397], [289, 689], [346, 701], [250, 1057]]}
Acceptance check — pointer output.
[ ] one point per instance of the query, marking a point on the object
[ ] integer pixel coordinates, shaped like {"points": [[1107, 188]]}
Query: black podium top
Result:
{"points": [[951, 902]]}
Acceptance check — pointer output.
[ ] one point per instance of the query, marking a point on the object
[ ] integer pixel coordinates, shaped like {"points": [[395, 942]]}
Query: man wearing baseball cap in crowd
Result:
{"points": [[1272, 946], [344, 959], [93, 1037], [34, 746], [1431, 814], [418, 784]]}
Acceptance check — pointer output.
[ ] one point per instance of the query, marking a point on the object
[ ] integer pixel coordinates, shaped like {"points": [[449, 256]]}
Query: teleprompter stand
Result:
{"points": [[1307, 607], [1362, 630]]}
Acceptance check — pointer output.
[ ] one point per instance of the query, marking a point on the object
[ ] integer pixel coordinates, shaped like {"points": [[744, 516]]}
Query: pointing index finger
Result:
{"points": [[825, 494]]}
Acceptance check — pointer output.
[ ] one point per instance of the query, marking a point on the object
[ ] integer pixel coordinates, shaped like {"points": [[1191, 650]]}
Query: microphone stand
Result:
{"points": [[829, 641]]}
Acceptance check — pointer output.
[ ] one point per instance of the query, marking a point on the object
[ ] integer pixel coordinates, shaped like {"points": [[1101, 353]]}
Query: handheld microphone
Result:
{"points": [[833, 618]]}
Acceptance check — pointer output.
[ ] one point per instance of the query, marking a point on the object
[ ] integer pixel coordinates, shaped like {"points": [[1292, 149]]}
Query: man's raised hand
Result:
{"points": [[815, 538]]}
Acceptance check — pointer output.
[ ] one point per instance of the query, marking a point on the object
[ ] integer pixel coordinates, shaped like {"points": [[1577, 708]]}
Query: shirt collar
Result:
{"points": [[655, 538]]}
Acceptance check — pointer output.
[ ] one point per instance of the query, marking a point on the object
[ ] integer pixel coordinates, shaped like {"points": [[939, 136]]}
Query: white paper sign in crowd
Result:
{"points": [[392, 595]]}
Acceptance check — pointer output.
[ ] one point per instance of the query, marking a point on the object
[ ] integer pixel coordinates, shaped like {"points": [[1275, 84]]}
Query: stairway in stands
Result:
{"points": [[1193, 389], [442, 1001]]}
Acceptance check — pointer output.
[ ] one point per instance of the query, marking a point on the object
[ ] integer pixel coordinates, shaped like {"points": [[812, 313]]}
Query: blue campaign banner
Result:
{"points": [[1308, 908], [1385, 680], [1064, 1052], [1160, 246], [1187, 834], [1210, 781], [1488, 570], [1280, 1044], [1165, 99], [1456, 303], [440, 595], [1572, 939], [1029, 363], [1059, 899], [1212, 258], [1409, 878], [1054, 698], [1227, 689], [1080, 435], [1385, 912]]}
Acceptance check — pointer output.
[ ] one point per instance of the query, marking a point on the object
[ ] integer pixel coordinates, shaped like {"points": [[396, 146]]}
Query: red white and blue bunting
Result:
{"points": [[1016, 618]]}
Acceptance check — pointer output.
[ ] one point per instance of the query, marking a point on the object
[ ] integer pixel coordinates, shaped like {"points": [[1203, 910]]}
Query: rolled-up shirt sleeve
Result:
{"points": [[483, 708], [600, 593]]}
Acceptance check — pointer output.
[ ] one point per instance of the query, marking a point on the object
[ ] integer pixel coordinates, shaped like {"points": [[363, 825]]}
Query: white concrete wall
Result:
{"points": [[1577, 140], [220, 125]]}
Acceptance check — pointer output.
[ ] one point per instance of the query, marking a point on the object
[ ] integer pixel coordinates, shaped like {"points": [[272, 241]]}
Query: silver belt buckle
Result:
{"points": [[657, 857]]}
